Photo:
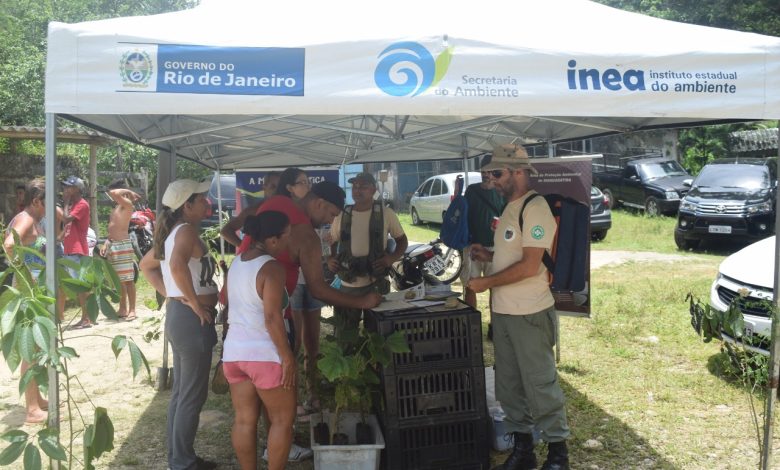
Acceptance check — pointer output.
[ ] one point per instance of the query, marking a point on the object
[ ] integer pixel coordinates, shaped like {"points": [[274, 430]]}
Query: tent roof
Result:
{"points": [[412, 81]]}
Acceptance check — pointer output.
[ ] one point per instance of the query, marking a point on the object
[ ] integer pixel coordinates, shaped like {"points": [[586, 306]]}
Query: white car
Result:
{"points": [[433, 197], [748, 273]]}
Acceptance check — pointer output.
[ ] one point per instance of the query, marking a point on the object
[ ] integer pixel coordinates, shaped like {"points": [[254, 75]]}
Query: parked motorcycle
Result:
{"points": [[141, 229], [433, 263]]}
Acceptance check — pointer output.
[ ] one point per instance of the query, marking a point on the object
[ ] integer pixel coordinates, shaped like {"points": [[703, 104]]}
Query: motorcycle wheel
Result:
{"points": [[453, 263], [136, 248]]}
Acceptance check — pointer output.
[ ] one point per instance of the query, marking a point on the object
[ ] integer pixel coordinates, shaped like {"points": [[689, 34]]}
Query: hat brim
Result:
{"points": [[202, 187], [366, 180], [501, 164]]}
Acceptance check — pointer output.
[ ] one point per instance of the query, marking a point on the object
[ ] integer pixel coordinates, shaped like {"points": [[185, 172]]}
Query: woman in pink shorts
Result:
{"points": [[258, 358]]}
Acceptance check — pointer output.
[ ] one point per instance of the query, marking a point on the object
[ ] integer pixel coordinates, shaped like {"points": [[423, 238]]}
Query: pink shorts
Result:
{"points": [[265, 375]]}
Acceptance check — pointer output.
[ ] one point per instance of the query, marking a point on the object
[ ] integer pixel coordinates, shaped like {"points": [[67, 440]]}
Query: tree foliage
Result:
{"points": [[754, 16], [23, 29]]}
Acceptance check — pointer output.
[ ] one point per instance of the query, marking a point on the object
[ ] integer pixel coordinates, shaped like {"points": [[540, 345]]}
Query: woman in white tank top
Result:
{"points": [[258, 359], [180, 268]]}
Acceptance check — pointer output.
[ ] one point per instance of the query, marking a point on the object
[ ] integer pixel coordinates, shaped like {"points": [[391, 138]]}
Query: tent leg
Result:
{"points": [[465, 153], [166, 172], [163, 373], [51, 272], [774, 357]]}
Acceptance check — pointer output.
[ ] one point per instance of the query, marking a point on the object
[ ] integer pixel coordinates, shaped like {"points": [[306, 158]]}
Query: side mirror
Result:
{"points": [[416, 194], [687, 182], [633, 178]]}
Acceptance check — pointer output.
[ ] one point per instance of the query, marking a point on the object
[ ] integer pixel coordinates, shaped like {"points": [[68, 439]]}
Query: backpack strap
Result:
{"points": [[547, 259]]}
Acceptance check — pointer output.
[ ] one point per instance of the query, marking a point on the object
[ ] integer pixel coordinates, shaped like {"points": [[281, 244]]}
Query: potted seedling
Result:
{"points": [[350, 364]]}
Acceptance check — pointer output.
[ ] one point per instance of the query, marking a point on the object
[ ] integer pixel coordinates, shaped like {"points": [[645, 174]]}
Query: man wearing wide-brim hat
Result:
{"points": [[523, 314]]}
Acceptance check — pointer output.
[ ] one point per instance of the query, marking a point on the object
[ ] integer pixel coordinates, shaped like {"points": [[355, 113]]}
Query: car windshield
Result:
{"points": [[660, 169], [733, 176]]}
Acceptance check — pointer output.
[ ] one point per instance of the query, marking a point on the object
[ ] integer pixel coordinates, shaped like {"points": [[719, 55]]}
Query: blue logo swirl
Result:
{"points": [[405, 59]]}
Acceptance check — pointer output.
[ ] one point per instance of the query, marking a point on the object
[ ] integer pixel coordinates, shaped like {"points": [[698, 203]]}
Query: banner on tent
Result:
{"points": [[569, 177], [250, 189], [213, 70]]}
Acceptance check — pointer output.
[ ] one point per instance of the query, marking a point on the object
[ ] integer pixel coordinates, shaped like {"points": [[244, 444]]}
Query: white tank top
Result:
{"points": [[248, 338], [201, 270]]}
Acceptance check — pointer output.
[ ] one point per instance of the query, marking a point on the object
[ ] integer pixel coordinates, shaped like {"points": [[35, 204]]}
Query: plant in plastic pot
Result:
{"points": [[350, 364]]}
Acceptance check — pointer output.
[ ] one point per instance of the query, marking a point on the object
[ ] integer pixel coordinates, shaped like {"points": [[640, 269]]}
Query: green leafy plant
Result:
{"points": [[350, 363], [31, 333], [750, 368]]}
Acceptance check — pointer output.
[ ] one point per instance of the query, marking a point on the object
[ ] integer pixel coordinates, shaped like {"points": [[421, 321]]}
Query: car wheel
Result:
{"points": [[598, 236], [415, 218], [611, 202], [651, 207], [683, 243]]}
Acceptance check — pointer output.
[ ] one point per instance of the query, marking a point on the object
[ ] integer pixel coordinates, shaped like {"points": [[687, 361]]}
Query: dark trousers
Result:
{"points": [[191, 345]]}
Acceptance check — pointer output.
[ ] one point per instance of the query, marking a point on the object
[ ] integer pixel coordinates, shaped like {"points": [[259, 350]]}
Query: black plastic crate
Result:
{"points": [[437, 338], [445, 444], [433, 393]]}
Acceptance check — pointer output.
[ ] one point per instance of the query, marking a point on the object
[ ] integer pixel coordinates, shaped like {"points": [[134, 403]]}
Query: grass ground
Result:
{"points": [[643, 390]]}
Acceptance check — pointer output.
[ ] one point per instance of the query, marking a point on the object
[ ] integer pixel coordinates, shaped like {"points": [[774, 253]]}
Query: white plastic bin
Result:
{"points": [[352, 456], [501, 439]]}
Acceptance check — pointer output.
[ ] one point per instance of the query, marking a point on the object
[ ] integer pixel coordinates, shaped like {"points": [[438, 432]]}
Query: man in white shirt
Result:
{"points": [[359, 251]]}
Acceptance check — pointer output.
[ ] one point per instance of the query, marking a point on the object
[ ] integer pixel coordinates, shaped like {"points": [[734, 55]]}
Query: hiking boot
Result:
{"points": [[557, 456], [522, 457], [297, 453]]}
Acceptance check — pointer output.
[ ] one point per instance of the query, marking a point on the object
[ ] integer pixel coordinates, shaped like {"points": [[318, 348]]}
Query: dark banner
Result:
{"points": [[249, 183], [566, 184]]}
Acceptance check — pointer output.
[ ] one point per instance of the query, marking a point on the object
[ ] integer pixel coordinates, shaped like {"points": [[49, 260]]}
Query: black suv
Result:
{"points": [[729, 199]]}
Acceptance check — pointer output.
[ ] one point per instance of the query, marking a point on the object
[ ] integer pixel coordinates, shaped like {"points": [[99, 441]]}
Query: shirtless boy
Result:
{"points": [[118, 248]]}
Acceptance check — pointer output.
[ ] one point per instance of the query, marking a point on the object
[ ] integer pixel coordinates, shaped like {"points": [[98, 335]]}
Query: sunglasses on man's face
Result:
{"points": [[494, 173]]}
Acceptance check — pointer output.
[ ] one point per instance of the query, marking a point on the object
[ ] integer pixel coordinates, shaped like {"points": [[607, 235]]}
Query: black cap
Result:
{"points": [[74, 181], [330, 192]]}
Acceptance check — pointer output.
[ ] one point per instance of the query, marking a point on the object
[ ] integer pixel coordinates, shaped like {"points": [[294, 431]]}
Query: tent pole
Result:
{"points": [[166, 172], [218, 176], [93, 200], [465, 152], [50, 137], [774, 357], [550, 148]]}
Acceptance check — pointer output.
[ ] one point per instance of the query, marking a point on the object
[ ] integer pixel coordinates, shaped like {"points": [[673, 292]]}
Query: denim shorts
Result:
{"points": [[301, 299]]}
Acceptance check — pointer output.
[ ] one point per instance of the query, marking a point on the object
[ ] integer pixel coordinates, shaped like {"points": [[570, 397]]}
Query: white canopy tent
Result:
{"points": [[243, 84], [236, 84]]}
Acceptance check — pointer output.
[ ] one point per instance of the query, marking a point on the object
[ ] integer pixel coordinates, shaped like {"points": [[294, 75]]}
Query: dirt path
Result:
{"points": [[603, 258]]}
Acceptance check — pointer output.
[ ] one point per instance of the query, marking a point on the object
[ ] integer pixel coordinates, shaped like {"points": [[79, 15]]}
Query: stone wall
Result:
{"points": [[19, 169]]}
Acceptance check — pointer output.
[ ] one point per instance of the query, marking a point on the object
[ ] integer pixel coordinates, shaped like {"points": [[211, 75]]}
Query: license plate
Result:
{"points": [[434, 265], [719, 229]]}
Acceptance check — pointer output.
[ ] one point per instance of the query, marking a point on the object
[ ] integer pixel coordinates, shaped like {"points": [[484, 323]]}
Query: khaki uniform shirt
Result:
{"points": [[532, 294]]}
